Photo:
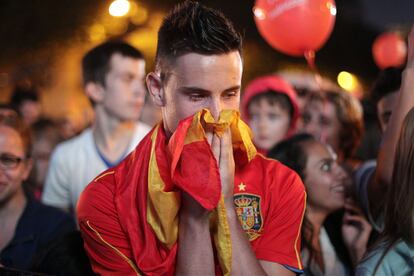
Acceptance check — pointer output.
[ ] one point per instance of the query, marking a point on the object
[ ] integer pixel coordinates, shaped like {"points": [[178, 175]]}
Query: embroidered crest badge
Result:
{"points": [[249, 214]]}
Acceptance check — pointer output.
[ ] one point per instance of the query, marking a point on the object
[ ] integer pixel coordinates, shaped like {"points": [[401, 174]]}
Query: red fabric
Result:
{"points": [[114, 206], [282, 207], [276, 84], [203, 185]]}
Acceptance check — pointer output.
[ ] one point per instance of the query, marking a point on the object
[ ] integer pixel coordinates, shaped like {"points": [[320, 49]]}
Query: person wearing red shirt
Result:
{"points": [[194, 197]]}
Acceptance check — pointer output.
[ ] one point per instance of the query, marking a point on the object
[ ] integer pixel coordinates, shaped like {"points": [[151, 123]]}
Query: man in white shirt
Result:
{"points": [[114, 81]]}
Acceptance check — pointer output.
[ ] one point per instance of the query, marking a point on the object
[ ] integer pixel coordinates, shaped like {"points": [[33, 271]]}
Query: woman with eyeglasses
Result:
{"points": [[25, 224]]}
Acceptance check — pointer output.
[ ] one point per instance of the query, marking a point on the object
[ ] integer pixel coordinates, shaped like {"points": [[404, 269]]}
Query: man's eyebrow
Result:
{"points": [[234, 88], [189, 89]]}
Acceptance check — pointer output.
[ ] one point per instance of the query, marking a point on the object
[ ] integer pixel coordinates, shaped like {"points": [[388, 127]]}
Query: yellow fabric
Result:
{"points": [[163, 207], [222, 238]]}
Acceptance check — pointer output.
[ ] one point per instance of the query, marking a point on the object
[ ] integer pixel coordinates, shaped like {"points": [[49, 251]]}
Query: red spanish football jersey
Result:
{"points": [[269, 200]]}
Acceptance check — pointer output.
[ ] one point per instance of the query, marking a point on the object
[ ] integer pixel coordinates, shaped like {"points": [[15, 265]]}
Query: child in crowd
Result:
{"points": [[269, 106]]}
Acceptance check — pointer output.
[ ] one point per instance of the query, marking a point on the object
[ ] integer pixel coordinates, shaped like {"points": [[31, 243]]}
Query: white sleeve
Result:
{"points": [[56, 191]]}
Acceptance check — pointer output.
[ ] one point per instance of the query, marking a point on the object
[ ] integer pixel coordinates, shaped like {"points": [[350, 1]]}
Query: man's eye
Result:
{"points": [[127, 78], [8, 160], [230, 94], [196, 97]]}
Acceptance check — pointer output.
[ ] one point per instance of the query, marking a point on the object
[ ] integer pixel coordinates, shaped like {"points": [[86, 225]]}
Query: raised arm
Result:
{"points": [[385, 160]]}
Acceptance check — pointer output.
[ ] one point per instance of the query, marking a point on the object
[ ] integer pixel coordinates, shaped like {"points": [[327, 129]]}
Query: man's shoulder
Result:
{"points": [[98, 196], [274, 168], [76, 143], [275, 176]]}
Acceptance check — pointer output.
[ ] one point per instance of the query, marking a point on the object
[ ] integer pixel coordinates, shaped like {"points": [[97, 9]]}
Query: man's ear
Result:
{"points": [[155, 88], [94, 91]]}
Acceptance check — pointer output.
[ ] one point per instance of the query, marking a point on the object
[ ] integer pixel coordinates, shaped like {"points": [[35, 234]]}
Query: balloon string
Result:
{"points": [[310, 59]]}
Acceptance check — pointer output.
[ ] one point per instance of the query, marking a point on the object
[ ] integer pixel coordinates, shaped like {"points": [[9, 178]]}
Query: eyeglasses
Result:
{"points": [[8, 161]]}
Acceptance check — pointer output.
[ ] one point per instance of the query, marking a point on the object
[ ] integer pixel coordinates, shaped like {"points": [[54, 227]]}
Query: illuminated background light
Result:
{"points": [[97, 33], [119, 8], [348, 81]]}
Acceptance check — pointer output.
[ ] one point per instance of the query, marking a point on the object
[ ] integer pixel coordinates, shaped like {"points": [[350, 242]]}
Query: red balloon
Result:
{"points": [[295, 27], [389, 50]]}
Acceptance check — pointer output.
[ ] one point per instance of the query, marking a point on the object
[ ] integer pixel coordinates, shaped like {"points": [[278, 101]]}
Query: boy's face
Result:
{"points": [[195, 82], [124, 91], [269, 123]]}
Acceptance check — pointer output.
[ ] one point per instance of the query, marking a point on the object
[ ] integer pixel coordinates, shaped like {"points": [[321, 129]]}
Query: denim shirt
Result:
{"points": [[399, 260]]}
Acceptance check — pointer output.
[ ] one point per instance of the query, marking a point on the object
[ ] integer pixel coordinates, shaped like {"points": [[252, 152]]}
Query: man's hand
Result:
{"points": [[222, 149]]}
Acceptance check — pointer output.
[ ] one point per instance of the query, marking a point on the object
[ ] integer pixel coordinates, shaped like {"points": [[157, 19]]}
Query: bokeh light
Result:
{"points": [[119, 8], [348, 81]]}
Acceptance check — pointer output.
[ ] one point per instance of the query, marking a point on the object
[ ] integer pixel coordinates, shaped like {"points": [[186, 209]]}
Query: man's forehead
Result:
{"points": [[199, 62]]}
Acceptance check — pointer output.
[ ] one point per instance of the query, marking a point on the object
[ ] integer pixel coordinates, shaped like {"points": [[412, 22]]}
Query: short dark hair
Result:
{"points": [[96, 63], [387, 82], [274, 97], [291, 152], [193, 28], [22, 94]]}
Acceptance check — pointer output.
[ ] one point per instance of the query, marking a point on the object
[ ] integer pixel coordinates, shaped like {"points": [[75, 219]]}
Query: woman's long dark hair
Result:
{"points": [[292, 153], [399, 206]]}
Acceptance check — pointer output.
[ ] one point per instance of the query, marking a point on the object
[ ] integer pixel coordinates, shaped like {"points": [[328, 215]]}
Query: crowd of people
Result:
{"points": [[268, 179]]}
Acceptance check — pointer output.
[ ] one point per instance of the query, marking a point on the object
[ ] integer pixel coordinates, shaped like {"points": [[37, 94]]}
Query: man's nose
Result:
{"points": [[215, 108]]}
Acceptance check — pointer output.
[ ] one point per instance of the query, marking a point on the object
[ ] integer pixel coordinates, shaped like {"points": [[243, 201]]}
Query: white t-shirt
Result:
{"points": [[74, 164]]}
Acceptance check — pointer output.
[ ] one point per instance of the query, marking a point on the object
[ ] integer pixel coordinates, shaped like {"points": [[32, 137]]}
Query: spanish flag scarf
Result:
{"points": [[150, 181]]}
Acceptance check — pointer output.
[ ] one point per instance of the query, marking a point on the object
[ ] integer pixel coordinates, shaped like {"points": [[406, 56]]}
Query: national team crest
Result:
{"points": [[249, 214]]}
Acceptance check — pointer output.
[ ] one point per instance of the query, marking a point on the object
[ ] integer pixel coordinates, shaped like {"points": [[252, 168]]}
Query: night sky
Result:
{"points": [[31, 28]]}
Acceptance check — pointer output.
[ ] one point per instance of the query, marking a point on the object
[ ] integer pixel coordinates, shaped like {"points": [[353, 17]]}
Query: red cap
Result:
{"points": [[275, 84]]}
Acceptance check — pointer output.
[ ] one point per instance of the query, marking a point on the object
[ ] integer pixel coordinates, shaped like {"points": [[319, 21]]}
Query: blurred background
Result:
{"points": [[42, 42]]}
